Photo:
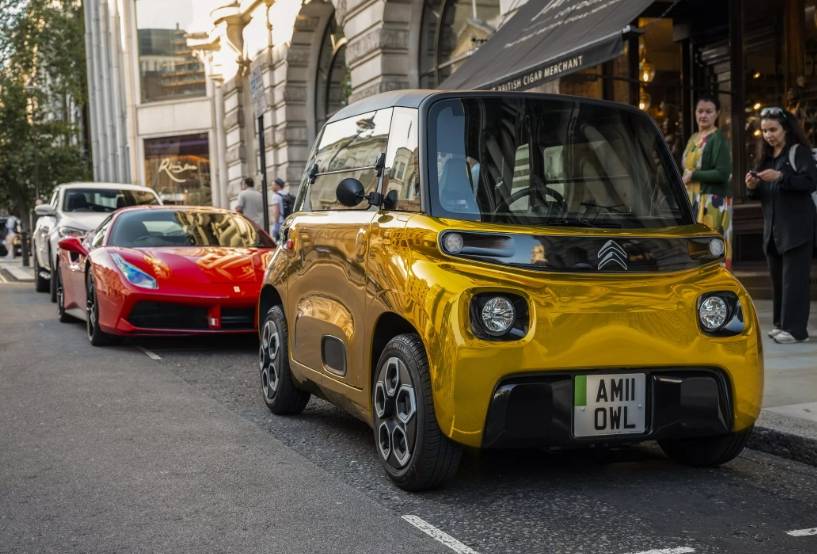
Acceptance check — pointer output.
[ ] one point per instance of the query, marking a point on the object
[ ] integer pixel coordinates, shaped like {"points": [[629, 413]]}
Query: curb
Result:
{"points": [[787, 437]]}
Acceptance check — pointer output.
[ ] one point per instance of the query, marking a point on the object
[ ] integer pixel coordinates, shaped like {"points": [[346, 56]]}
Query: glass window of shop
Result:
{"points": [[167, 67], [178, 168], [333, 79], [452, 30]]}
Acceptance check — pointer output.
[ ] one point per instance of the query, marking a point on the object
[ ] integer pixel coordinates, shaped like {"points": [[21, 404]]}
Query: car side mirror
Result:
{"points": [[350, 193], [44, 210], [73, 244]]}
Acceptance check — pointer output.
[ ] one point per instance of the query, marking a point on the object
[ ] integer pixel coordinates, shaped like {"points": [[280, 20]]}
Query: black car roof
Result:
{"points": [[413, 98]]}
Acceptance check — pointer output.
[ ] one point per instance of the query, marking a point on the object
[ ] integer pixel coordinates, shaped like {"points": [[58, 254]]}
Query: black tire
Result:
{"points": [[63, 317], [428, 457], [40, 284], [280, 394], [53, 281], [96, 336], [706, 451]]}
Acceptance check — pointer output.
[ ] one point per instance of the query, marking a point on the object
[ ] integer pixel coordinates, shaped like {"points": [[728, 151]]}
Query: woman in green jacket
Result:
{"points": [[707, 172]]}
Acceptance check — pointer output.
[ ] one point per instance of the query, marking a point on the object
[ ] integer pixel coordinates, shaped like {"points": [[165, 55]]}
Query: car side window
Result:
{"points": [[402, 186], [348, 148], [99, 235]]}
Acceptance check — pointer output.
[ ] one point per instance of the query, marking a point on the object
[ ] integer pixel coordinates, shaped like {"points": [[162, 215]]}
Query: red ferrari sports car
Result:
{"points": [[164, 270]]}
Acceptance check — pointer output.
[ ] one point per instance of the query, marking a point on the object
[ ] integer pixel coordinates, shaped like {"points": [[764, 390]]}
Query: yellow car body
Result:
{"points": [[349, 280]]}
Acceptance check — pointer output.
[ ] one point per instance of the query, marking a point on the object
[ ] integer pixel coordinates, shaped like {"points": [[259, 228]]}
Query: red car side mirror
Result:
{"points": [[73, 244]]}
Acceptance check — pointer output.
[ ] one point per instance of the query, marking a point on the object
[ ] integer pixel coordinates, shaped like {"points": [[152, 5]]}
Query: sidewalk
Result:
{"points": [[788, 424]]}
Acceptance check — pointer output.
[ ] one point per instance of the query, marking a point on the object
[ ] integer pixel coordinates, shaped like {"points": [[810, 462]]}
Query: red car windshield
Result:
{"points": [[157, 228]]}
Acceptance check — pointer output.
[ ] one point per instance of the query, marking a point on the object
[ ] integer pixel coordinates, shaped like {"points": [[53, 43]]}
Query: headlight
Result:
{"points": [[133, 274], [713, 312], [499, 316], [70, 232], [453, 243]]}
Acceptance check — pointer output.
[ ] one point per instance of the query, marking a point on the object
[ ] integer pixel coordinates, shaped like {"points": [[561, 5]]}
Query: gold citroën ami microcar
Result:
{"points": [[505, 270]]}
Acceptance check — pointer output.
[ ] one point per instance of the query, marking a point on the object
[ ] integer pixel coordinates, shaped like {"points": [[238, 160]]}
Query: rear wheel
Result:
{"points": [[706, 451], [280, 393], [96, 335], [64, 317], [40, 284], [411, 447]]}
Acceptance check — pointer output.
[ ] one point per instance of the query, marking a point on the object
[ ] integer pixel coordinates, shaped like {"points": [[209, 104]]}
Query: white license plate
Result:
{"points": [[609, 404]]}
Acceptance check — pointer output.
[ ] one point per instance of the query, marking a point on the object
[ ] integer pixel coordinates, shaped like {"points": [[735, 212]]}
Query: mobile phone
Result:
{"points": [[753, 173]]}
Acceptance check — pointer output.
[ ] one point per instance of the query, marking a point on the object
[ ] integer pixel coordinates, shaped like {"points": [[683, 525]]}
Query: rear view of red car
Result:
{"points": [[164, 271]]}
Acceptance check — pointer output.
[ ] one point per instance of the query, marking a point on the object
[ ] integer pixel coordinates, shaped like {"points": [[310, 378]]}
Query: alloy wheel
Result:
{"points": [[395, 407], [268, 359], [60, 296], [90, 309]]}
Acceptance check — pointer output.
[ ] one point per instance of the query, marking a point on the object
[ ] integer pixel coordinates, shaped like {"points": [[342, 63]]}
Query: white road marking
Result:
{"points": [[803, 532], [678, 550], [439, 535], [149, 354]]}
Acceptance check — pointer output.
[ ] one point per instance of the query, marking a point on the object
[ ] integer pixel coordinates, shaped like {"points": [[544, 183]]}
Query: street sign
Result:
{"points": [[257, 91]]}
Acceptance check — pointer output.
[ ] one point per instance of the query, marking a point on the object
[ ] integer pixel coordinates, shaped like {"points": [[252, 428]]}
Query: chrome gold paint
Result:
{"points": [[578, 321]]}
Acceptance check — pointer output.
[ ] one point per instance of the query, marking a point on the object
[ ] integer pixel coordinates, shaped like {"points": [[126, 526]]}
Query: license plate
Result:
{"points": [[608, 404]]}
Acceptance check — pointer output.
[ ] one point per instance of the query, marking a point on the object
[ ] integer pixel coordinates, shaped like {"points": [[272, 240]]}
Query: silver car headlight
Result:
{"points": [[720, 314]]}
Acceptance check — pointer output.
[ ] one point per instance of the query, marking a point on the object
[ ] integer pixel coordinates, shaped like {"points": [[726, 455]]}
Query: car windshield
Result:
{"points": [[157, 228], [535, 161], [106, 200]]}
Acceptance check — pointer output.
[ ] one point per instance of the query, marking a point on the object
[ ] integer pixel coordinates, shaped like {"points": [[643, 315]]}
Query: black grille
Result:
{"points": [[165, 315], [237, 318]]}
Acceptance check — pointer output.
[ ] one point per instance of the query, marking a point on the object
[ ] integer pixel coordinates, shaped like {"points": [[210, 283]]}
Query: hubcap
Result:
{"points": [[269, 359], [395, 406]]}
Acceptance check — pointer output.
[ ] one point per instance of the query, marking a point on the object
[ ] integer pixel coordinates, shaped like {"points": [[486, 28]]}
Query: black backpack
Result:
{"points": [[287, 202]]}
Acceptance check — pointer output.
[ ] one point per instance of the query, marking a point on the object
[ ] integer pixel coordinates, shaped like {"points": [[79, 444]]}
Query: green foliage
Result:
{"points": [[43, 93]]}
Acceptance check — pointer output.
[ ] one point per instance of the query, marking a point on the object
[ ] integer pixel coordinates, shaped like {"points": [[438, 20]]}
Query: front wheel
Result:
{"points": [[706, 451], [40, 284], [280, 393], [63, 317], [96, 335], [411, 447]]}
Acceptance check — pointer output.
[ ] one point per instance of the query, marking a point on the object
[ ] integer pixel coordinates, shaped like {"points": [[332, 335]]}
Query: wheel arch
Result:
{"points": [[268, 298], [388, 326]]}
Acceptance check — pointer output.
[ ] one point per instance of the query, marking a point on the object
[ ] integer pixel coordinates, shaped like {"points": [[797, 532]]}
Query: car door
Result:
{"points": [[328, 291]]}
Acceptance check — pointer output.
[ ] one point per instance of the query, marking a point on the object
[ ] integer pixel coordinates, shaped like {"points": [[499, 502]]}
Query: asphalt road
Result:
{"points": [[113, 450]]}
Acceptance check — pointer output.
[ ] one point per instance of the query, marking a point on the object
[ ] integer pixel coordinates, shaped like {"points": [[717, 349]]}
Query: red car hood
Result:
{"points": [[199, 265]]}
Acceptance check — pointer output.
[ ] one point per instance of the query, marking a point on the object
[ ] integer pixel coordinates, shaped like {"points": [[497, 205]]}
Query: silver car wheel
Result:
{"points": [[268, 359], [395, 407]]}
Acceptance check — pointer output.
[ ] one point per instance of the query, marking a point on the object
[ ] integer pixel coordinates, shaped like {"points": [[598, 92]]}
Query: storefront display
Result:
{"points": [[178, 168]]}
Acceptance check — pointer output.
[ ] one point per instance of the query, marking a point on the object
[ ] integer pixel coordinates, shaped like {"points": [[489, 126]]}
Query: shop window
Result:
{"points": [[178, 168], [167, 66], [451, 31], [333, 79]]}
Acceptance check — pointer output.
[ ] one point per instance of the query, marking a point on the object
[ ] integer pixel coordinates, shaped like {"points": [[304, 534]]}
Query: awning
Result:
{"points": [[548, 39]]}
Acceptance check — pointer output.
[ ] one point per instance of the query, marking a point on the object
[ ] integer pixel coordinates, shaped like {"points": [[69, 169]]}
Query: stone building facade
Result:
{"points": [[315, 56]]}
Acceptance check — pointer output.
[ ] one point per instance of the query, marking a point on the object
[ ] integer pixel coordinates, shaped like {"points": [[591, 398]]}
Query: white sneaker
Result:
{"points": [[774, 332], [784, 337]]}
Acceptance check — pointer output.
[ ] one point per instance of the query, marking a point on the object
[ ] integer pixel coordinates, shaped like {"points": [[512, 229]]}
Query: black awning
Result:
{"points": [[548, 39]]}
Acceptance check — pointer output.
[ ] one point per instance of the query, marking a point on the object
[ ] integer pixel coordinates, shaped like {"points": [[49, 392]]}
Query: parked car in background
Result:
{"points": [[502, 270], [75, 209], [163, 271]]}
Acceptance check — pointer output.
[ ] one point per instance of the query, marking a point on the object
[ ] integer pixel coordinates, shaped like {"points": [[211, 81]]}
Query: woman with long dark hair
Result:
{"points": [[783, 182], [707, 168]]}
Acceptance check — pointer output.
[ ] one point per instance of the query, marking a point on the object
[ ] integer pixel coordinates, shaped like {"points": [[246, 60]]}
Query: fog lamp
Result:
{"points": [[498, 315], [453, 243], [713, 312]]}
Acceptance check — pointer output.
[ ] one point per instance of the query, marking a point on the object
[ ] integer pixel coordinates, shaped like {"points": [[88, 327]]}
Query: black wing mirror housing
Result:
{"points": [[350, 193]]}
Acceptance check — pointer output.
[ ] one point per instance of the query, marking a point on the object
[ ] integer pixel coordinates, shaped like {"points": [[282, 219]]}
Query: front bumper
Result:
{"points": [[537, 410]]}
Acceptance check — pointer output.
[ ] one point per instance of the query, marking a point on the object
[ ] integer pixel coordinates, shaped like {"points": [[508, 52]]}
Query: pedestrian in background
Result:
{"points": [[783, 182], [250, 202], [277, 206], [707, 172], [11, 233]]}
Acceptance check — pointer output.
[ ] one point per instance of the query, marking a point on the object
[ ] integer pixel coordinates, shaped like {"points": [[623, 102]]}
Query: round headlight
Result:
{"points": [[453, 243], [716, 247], [713, 312], [498, 315]]}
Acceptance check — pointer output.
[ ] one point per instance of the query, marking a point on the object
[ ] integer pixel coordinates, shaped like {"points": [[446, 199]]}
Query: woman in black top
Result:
{"points": [[783, 181]]}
